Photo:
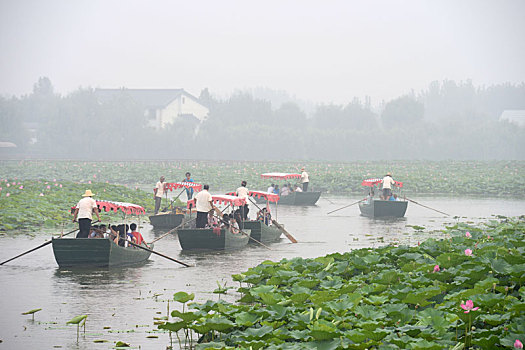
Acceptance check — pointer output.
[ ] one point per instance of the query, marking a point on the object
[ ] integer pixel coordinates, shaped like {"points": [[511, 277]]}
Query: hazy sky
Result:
{"points": [[324, 51]]}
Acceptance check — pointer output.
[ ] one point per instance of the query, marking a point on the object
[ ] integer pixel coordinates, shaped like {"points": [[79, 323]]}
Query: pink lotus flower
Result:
{"points": [[60, 186], [94, 176], [7, 194], [21, 187], [468, 235], [48, 187], [8, 184], [468, 252], [41, 195], [469, 306], [436, 268], [89, 181], [518, 344], [54, 180]]}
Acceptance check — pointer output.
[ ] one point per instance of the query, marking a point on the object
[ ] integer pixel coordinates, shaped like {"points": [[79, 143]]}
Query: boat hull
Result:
{"points": [[101, 252], [206, 239], [296, 198], [262, 232], [170, 220], [383, 209]]}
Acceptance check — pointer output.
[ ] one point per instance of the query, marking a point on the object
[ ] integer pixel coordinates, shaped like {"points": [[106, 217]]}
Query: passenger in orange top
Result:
{"points": [[137, 237]]}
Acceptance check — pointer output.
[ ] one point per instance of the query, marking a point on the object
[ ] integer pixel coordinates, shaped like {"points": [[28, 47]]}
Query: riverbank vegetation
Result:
{"points": [[31, 204], [487, 178], [462, 291]]}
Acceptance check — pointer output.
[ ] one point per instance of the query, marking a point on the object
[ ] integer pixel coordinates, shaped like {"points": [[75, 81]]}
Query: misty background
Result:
{"points": [[344, 80]]}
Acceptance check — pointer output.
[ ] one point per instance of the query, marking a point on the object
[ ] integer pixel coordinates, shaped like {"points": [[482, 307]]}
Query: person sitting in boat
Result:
{"points": [[271, 188], [264, 216], [136, 236], [212, 220], [298, 188], [115, 234], [285, 191], [234, 226], [97, 231], [276, 189], [237, 215]]}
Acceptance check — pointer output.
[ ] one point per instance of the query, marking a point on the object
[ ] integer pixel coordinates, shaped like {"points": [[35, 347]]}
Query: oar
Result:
{"points": [[346, 206], [286, 233], [413, 201], [40, 246], [154, 252], [172, 230]]}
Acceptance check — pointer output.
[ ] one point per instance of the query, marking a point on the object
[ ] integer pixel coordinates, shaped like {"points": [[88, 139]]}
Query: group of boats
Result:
{"points": [[104, 252]]}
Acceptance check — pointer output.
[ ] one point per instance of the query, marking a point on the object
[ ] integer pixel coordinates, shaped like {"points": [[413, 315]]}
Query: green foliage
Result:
{"points": [[32, 204], [376, 303]]}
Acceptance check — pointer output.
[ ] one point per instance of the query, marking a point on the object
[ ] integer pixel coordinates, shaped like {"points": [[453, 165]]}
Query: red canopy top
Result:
{"points": [[174, 185], [280, 176], [272, 197], [373, 182], [127, 208], [222, 199]]}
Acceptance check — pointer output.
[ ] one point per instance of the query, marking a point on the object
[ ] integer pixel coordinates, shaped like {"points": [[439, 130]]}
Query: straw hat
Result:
{"points": [[88, 194], [389, 173]]}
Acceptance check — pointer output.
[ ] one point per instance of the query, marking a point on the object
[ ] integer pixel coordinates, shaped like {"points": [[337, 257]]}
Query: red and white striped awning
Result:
{"points": [[271, 197], [183, 184], [128, 208], [280, 176], [373, 182], [222, 199]]}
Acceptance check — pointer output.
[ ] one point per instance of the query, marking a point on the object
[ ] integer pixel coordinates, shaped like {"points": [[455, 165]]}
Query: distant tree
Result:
{"points": [[403, 110], [290, 115]]}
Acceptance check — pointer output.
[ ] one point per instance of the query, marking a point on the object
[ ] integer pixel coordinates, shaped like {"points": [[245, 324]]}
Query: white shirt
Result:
{"points": [[388, 182], [270, 189], [242, 192], [160, 189], [298, 189], [285, 191], [203, 199], [85, 208], [304, 177]]}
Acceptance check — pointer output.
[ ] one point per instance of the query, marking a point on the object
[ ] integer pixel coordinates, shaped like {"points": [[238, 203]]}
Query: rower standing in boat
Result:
{"points": [[203, 203], [243, 192], [189, 190], [388, 182], [159, 190], [84, 211], [304, 180]]}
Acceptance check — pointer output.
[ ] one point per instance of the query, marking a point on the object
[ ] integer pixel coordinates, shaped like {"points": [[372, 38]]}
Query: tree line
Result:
{"points": [[448, 120]]}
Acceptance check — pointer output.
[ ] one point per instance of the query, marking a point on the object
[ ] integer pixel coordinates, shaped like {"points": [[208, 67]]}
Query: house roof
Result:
{"points": [[148, 98], [515, 116]]}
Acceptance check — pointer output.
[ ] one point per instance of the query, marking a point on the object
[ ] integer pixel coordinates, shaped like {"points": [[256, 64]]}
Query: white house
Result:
{"points": [[161, 106], [514, 116]]}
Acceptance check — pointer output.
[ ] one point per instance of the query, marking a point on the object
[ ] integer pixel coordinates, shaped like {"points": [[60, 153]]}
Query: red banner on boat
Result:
{"points": [[127, 208], [222, 199], [271, 197], [280, 176], [183, 184], [373, 182]]}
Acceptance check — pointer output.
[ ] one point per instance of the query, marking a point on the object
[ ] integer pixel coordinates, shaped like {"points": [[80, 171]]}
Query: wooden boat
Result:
{"points": [[100, 252], [210, 239], [378, 208], [262, 232], [294, 198], [218, 239], [167, 220]]}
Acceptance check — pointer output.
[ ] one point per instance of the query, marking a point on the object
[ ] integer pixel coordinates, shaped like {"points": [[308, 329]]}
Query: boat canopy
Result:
{"points": [[271, 197], [183, 184], [373, 182], [127, 208], [280, 176], [222, 199]]}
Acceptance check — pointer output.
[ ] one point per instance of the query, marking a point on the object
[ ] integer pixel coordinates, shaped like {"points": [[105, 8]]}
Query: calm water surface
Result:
{"points": [[122, 303]]}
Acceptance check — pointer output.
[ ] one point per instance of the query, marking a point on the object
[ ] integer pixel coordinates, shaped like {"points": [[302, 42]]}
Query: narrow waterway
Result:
{"points": [[122, 303]]}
